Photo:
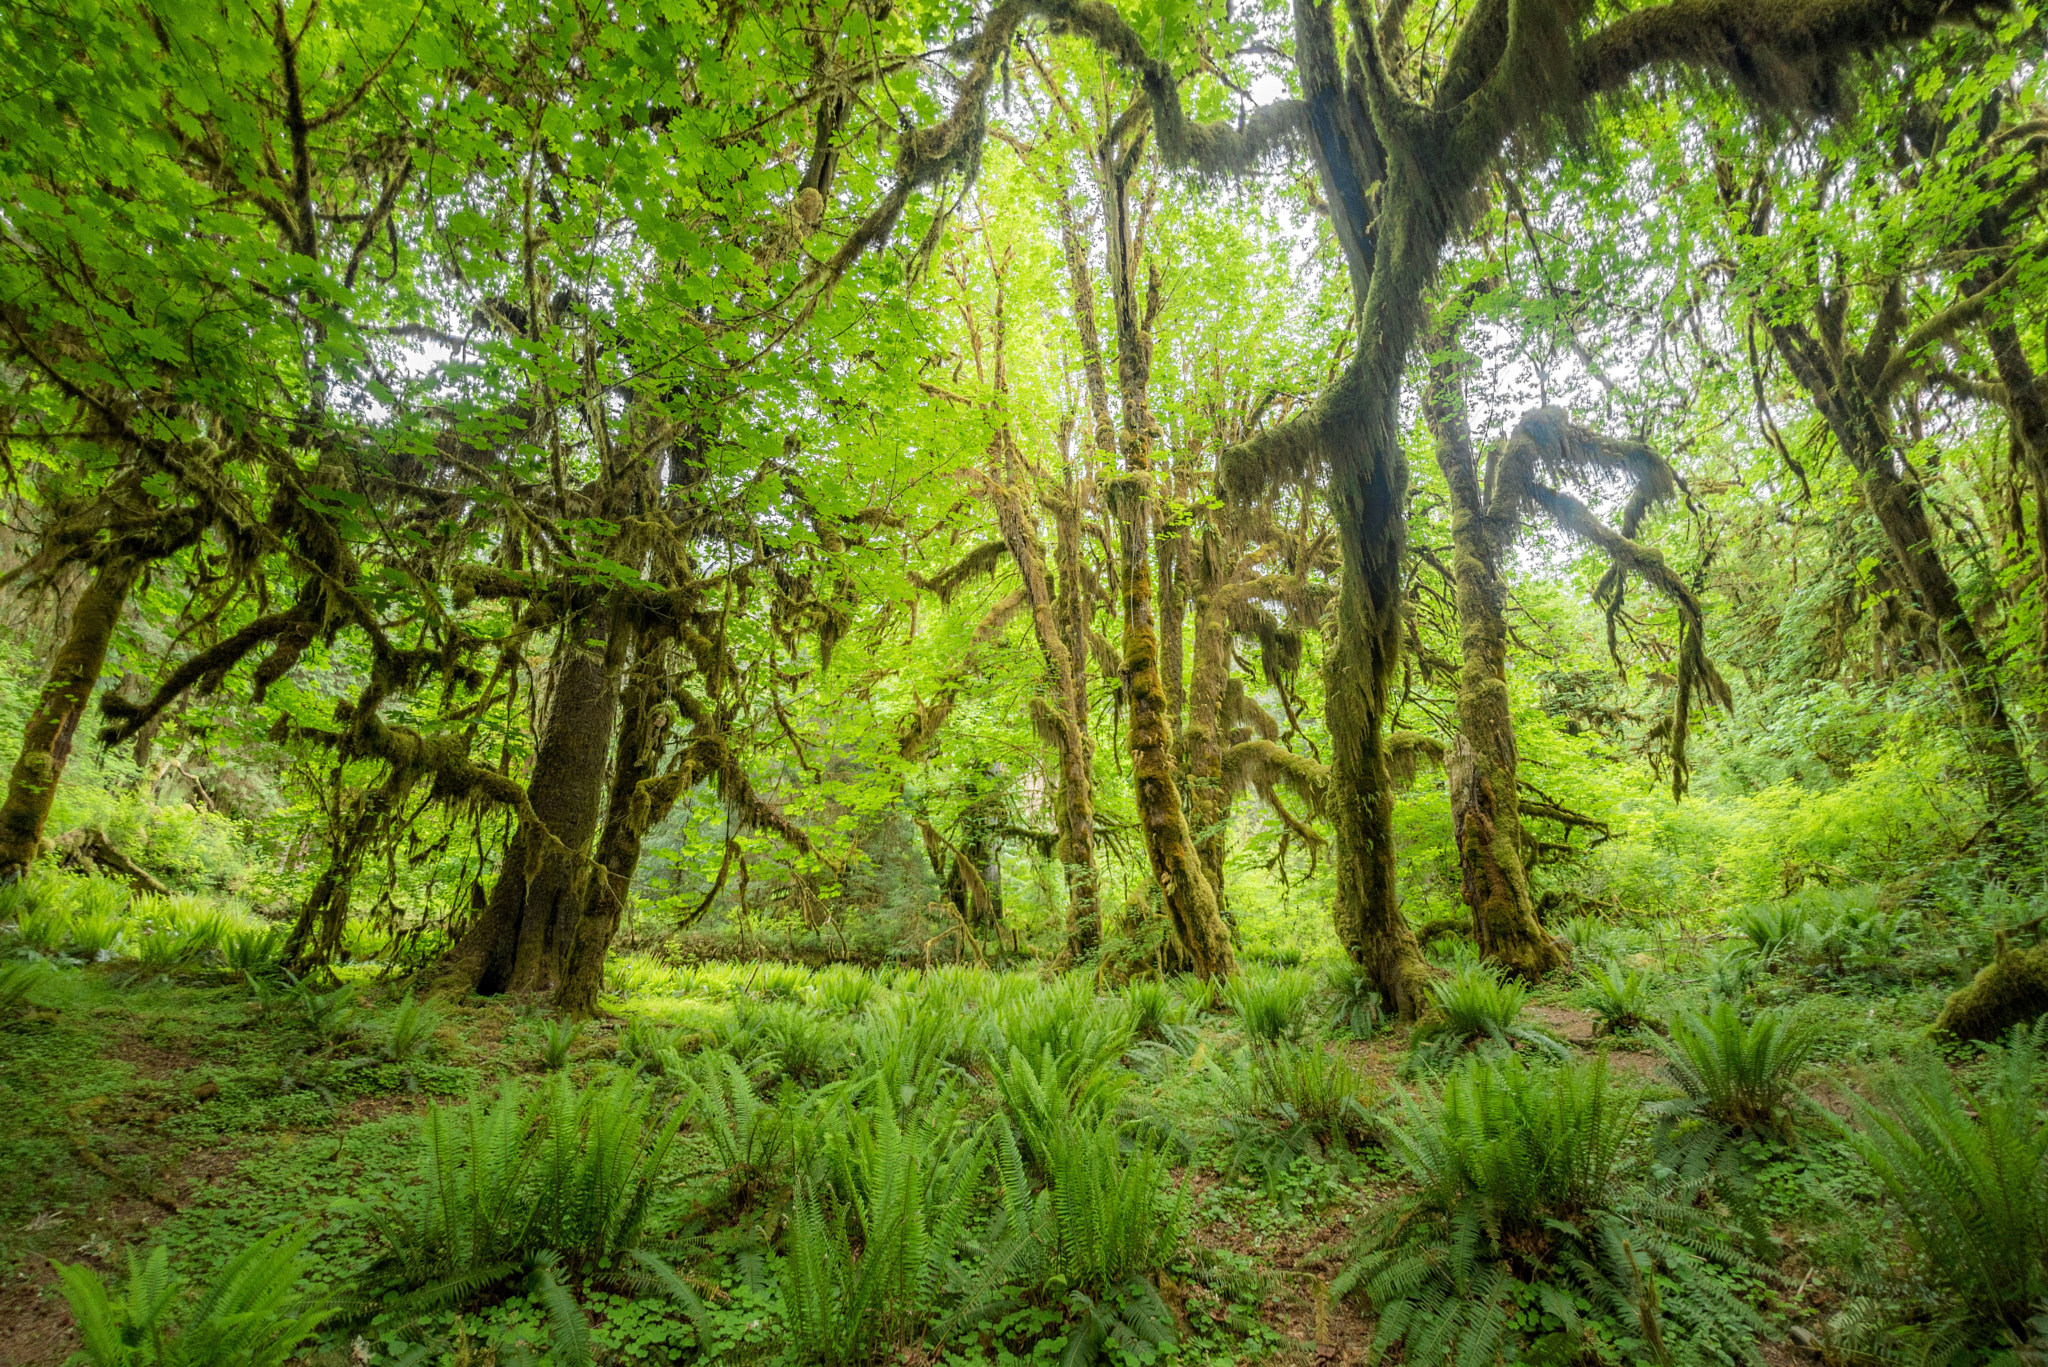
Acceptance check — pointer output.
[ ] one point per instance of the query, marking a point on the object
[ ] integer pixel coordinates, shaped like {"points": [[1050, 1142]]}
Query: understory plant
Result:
{"points": [[1477, 1005], [1738, 1073], [871, 1255], [1287, 1101], [1621, 995], [514, 1186], [1966, 1170], [255, 1313], [1271, 1003], [1528, 1221]]}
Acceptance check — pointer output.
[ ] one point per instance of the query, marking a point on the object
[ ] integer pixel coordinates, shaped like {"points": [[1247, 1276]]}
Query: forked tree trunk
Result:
{"points": [[517, 944], [1190, 899], [46, 740], [641, 797], [1486, 809]]}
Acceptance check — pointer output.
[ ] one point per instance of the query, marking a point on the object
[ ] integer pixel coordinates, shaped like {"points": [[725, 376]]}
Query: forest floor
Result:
{"points": [[185, 1109]]}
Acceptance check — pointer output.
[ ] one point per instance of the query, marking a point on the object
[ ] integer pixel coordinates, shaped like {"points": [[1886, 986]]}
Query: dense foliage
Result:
{"points": [[1119, 681]]}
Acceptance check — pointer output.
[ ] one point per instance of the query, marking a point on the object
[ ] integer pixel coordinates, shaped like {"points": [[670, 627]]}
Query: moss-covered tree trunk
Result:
{"points": [[46, 740], [1202, 740], [1486, 809], [1848, 390], [519, 941], [1190, 899], [315, 938], [640, 797]]}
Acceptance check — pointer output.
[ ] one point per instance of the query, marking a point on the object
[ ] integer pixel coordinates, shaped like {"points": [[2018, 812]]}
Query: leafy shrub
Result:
{"points": [[1272, 1004], [1522, 1200], [1738, 1074], [252, 1316], [1477, 1004], [1967, 1170], [1621, 995], [1152, 1008]]}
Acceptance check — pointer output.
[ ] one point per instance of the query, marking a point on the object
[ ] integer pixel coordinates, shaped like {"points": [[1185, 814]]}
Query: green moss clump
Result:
{"points": [[2010, 990]]}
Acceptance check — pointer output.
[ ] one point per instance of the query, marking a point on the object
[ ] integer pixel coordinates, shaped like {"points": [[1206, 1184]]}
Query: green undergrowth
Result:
{"points": [[1698, 1140]]}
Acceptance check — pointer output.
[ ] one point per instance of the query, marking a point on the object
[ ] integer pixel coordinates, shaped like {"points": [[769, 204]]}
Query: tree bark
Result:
{"points": [[1841, 388], [1202, 740], [641, 797], [52, 725], [524, 933], [1190, 898], [1486, 810]]}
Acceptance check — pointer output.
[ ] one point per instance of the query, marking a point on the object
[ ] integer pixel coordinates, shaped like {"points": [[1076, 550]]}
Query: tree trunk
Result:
{"points": [[1486, 811], [1841, 392], [640, 799], [46, 740], [1190, 899], [519, 942], [1202, 739], [315, 937]]}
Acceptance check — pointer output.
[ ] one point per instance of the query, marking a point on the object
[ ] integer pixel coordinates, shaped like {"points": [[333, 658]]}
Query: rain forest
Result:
{"points": [[965, 683]]}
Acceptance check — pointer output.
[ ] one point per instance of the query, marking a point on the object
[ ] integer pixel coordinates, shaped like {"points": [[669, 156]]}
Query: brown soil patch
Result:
{"points": [[1574, 1027], [35, 1324], [151, 1061]]}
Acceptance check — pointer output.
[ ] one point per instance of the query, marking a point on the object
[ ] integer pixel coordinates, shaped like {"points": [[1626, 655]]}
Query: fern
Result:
{"points": [[752, 1138], [1621, 996], [1357, 1006], [871, 1251], [1272, 1005], [1967, 1170], [411, 1024], [557, 1039], [17, 980], [1739, 1075], [251, 949], [511, 1185], [1476, 1004], [1054, 1090], [253, 1314], [1771, 929], [1522, 1195]]}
